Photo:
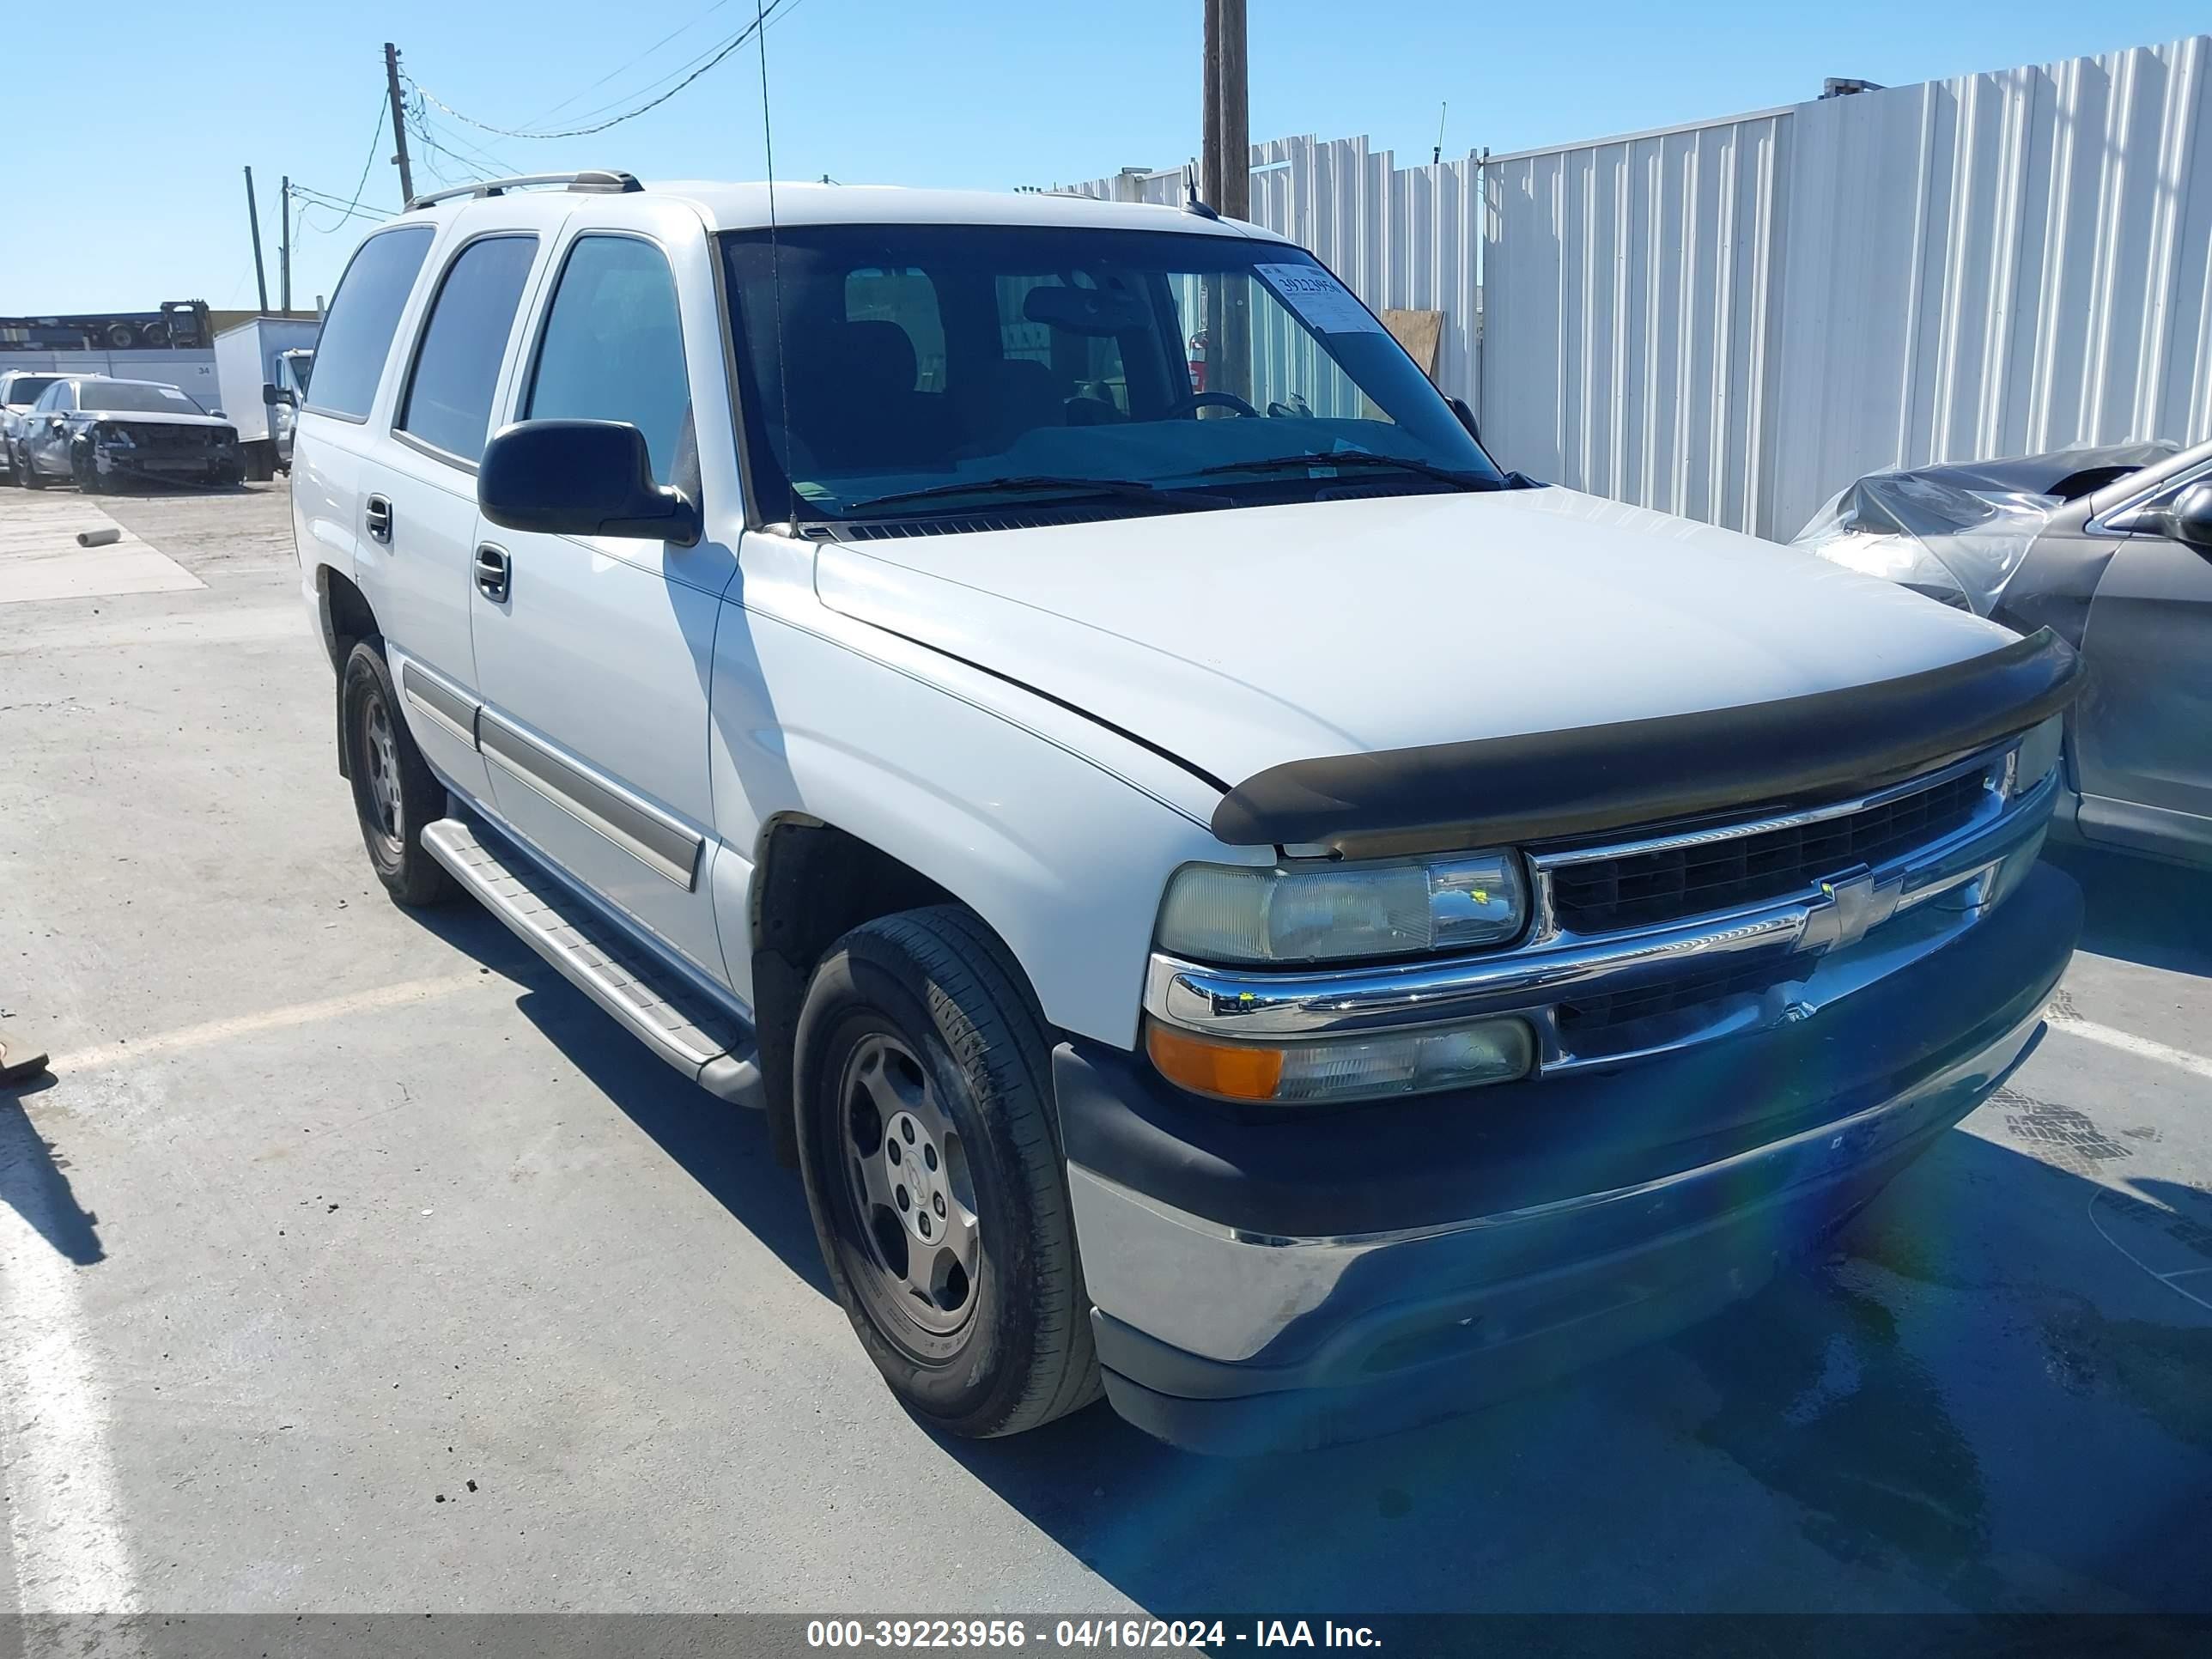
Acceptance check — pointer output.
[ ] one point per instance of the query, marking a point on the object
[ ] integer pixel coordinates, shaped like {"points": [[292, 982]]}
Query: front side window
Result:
{"points": [[362, 318], [613, 351], [942, 368], [448, 402]]}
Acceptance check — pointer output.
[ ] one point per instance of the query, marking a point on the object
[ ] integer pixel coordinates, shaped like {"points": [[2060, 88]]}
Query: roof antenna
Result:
{"points": [[776, 263], [1438, 153], [1190, 202]]}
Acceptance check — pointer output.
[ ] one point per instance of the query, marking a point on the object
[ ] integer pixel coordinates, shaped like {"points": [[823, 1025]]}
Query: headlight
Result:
{"points": [[2037, 757], [1369, 1066], [114, 437], [1240, 913]]}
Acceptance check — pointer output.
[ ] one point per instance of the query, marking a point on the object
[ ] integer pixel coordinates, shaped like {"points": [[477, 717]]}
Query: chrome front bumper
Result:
{"points": [[1288, 1278], [1225, 1293], [1800, 936]]}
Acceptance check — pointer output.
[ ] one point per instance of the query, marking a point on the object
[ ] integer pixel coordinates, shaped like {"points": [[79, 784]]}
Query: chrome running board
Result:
{"points": [[712, 1046]]}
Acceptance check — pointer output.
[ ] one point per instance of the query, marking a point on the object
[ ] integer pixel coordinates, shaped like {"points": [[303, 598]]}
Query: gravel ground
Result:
{"points": [[352, 1260]]}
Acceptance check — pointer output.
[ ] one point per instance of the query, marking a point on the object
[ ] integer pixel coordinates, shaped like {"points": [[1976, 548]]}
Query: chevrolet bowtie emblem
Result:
{"points": [[1854, 906]]}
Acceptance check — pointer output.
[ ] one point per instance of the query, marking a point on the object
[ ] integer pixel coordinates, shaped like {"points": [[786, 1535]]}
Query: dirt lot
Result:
{"points": [[351, 1260]]}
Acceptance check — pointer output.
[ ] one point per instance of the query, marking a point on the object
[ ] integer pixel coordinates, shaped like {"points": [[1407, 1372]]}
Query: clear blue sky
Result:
{"points": [[123, 186]]}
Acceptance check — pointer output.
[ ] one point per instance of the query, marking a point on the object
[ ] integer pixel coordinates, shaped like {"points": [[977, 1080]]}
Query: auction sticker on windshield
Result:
{"points": [[1325, 303]]}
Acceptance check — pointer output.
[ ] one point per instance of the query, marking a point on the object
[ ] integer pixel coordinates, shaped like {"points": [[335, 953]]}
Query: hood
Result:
{"points": [[153, 417], [1959, 531], [1247, 638]]}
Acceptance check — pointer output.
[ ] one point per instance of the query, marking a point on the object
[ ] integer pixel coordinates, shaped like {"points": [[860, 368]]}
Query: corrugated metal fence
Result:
{"points": [[1733, 319], [1398, 236]]}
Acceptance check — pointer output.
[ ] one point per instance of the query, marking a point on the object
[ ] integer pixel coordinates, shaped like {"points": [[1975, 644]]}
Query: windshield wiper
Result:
{"points": [[1132, 489], [1357, 458]]}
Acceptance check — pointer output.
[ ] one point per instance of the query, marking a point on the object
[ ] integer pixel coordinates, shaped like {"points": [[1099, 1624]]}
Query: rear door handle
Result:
{"points": [[377, 514], [493, 569]]}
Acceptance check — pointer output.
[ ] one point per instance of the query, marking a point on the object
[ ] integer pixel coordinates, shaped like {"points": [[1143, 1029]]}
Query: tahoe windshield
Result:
{"points": [[135, 397], [919, 369], [23, 392]]}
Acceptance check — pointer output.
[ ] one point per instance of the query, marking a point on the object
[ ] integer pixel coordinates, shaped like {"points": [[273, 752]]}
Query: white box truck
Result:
{"points": [[248, 357]]}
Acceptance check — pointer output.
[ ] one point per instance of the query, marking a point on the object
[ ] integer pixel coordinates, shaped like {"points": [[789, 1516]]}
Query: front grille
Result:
{"points": [[1599, 1010], [1643, 889], [161, 439]]}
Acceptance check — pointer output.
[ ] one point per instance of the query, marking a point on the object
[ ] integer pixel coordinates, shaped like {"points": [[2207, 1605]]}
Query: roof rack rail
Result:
{"points": [[599, 182]]}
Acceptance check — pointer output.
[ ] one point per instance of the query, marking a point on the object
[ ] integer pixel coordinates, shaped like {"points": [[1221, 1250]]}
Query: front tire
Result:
{"points": [[933, 1174], [395, 793]]}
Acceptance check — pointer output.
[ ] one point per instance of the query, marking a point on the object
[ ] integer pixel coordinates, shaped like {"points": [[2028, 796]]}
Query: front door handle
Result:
{"points": [[377, 514], [493, 569]]}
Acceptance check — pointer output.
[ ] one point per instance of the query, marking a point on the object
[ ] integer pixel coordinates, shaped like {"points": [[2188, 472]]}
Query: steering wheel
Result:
{"points": [[1199, 400]]}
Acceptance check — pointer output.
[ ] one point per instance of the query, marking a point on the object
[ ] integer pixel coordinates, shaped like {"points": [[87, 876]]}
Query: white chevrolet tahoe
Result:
{"points": [[1226, 895]]}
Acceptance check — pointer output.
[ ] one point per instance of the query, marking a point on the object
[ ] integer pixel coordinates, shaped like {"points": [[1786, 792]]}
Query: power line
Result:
{"points": [[624, 68], [335, 209], [337, 204], [361, 185], [455, 146], [341, 211], [760, 20], [475, 168]]}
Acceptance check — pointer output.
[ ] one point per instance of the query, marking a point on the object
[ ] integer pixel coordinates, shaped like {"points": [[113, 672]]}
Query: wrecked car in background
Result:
{"points": [[2110, 547], [101, 434]]}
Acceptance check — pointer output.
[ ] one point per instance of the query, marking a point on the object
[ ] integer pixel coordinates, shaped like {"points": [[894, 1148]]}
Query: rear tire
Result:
{"points": [[933, 1174], [28, 473], [395, 793]]}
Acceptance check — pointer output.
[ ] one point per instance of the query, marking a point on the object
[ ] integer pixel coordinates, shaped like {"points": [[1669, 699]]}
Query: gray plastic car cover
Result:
{"points": [[1958, 532]]}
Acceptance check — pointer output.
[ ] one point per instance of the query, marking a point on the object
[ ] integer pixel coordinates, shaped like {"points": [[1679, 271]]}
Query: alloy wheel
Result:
{"points": [[382, 759], [908, 1178]]}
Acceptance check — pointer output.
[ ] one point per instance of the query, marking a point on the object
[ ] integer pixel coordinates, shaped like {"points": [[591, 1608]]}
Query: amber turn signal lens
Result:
{"points": [[1230, 1070]]}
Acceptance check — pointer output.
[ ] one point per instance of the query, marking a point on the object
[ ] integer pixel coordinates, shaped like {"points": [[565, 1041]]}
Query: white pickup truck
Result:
{"points": [[1225, 895]]}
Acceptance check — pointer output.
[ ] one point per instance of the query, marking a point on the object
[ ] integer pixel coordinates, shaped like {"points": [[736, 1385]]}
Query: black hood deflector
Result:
{"points": [[1544, 786]]}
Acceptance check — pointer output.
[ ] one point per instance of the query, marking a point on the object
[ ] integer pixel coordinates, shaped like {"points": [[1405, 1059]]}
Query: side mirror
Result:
{"points": [[272, 394], [218, 414], [1465, 417], [2188, 516], [580, 478]]}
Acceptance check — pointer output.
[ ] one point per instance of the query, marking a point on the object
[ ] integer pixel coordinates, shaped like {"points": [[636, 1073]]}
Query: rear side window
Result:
{"points": [[364, 315], [449, 403], [613, 351]]}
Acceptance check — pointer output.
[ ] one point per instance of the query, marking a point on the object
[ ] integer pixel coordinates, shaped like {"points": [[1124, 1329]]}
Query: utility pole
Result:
{"points": [[1225, 185], [1209, 148], [284, 250], [1236, 140], [399, 122], [253, 222]]}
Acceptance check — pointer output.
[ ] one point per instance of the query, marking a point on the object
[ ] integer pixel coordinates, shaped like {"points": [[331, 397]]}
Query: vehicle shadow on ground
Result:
{"points": [[2140, 909], [1929, 1415], [724, 1148], [34, 1181]]}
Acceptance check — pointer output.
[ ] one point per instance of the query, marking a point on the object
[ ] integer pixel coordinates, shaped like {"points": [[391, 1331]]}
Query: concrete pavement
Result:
{"points": [[353, 1262]]}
